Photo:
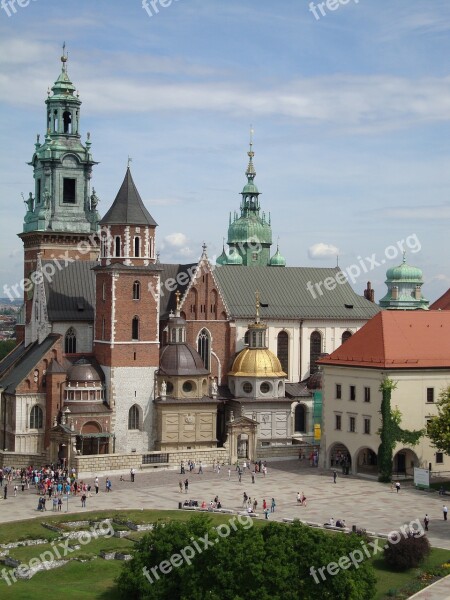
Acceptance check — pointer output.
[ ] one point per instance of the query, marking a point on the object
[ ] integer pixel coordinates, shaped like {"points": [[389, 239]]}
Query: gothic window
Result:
{"points": [[36, 417], [133, 417], [70, 341], [136, 290], [137, 246], [300, 418], [69, 190], [117, 245], [346, 335], [315, 349], [67, 120], [135, 328], [204, 347], [283, 350]]}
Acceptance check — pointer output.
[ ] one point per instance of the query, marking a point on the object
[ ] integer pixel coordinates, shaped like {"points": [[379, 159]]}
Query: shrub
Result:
{"points": [[408, 552]]}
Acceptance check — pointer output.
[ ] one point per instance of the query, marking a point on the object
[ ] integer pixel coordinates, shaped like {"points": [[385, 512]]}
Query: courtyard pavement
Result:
{"points": [[361, 502]]}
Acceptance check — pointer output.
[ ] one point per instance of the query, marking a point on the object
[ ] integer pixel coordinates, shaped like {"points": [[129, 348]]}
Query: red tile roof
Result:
{"points": [[442, 303], [396, 339]]}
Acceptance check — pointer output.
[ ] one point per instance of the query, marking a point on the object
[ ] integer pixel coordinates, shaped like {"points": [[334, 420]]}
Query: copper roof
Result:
{"points": [[396, 339]]}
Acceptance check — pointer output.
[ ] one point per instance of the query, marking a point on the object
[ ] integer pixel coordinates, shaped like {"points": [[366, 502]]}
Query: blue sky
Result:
{"points": [[351, 114]]}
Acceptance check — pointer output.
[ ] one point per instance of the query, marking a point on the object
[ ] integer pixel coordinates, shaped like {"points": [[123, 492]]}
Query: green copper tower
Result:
{"points": [[62, 167], [250, 233]]}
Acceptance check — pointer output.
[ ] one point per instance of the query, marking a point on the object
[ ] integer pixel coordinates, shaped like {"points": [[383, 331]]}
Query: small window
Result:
{"points": [[352, 392], [439, 458], [117, 245], [338, 391], [247, 387], [135, 328], [133, 417], [137, 246], [338, 422], [367, 394], [352, 424], [367, 426], [69, 191], [36, 418], [265, 387], [38, 191], [345, 336], [136, 290], [430, 395], [188, 386]]}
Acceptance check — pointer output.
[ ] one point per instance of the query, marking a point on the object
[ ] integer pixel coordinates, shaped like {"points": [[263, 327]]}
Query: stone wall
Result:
{"points": [[267, 452], [19, 461], [88, 466]]}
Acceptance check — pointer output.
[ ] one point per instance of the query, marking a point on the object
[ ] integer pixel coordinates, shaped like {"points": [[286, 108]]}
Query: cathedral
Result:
{"points": [[123, 359]]}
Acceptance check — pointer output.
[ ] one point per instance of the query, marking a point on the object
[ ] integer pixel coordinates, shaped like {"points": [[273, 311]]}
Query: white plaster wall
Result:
{"points": [[409, 397], [83, 330], [28, 440]]}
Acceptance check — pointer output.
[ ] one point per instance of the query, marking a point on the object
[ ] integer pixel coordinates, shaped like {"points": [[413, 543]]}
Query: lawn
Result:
{"points": [[95, 579]]}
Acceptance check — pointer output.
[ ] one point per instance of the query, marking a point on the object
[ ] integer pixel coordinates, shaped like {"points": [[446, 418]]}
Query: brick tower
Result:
{"points": [[126, 340]]}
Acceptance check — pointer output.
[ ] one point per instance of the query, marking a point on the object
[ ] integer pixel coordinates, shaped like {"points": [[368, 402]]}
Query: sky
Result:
{"points": [[349, 102]]}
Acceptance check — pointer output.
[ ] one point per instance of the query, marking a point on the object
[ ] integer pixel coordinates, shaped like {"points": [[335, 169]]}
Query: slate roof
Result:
{"points": [[71, 292], [29, 359], [396, 339], [285, 290], [297, 390], [11, 358], [128, 208], [170, 278]]}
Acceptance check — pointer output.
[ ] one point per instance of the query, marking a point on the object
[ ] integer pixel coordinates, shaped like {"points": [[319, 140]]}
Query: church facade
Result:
{"points": [[119, 353]]}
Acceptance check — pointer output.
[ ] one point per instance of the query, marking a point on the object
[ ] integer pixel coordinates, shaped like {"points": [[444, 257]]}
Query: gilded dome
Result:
{"points": [[256, 362]]}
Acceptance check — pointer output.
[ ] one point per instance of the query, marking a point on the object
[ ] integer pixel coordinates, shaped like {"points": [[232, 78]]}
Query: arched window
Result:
{"points": [[137, 246], [135, 328], [133, 417], [67, 120], [136, 290], [36, 417], [315, 350], [70, 341], [247, 337], [300, 418], [346, 335], [283, 350], [204, 347], [117, 245]]}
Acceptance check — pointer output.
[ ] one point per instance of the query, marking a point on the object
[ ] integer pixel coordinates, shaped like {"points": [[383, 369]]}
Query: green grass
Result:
{"points": [[388, 580], [95, 579]]}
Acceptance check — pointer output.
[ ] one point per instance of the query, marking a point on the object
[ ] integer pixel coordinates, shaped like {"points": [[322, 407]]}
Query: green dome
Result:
{"points": [[250, 228], [234, 258], [250, 188], [222, 259], [277, 260], [404, 272]]}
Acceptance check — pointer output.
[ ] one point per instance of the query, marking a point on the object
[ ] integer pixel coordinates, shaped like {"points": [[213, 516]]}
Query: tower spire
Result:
{"points": [[250, 172], [64, 58]]}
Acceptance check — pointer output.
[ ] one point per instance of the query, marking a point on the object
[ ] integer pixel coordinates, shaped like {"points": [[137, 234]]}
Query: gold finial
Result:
{"points": [[258, 305]]}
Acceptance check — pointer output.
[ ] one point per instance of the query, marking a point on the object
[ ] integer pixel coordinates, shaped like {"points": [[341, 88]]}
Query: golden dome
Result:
{"points": [[256, 362]]}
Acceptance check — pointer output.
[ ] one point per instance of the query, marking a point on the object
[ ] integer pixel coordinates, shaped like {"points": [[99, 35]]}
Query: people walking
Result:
{"points": [[132, 473], [445, 511], [272, 505], [426, 521], [334, 475], [186, 485], [397, 486], [83, 501], [229, 473], [253, 476]]}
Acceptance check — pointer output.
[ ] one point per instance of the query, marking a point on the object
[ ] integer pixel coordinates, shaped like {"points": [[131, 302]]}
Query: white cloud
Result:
{"points": [[322, 251], [176, 239]]}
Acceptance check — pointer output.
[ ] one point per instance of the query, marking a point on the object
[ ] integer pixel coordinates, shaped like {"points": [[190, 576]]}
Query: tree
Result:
{"points": [[407, 552], [438, 429], [244, 561], [5, 347], [391, 432]]}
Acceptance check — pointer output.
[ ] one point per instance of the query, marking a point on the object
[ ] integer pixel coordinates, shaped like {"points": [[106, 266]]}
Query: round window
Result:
{"points": [[247, 387], [265, 387], [188, 386]]}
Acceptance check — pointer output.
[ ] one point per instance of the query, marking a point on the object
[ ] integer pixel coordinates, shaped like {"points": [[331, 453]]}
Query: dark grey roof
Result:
{"points": [[30, 358], [128, 208], [173, 278], [11, 358], [80, 408], [285, 291], [181, 359], [71, 292], [55, 367], [297, 390]]}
